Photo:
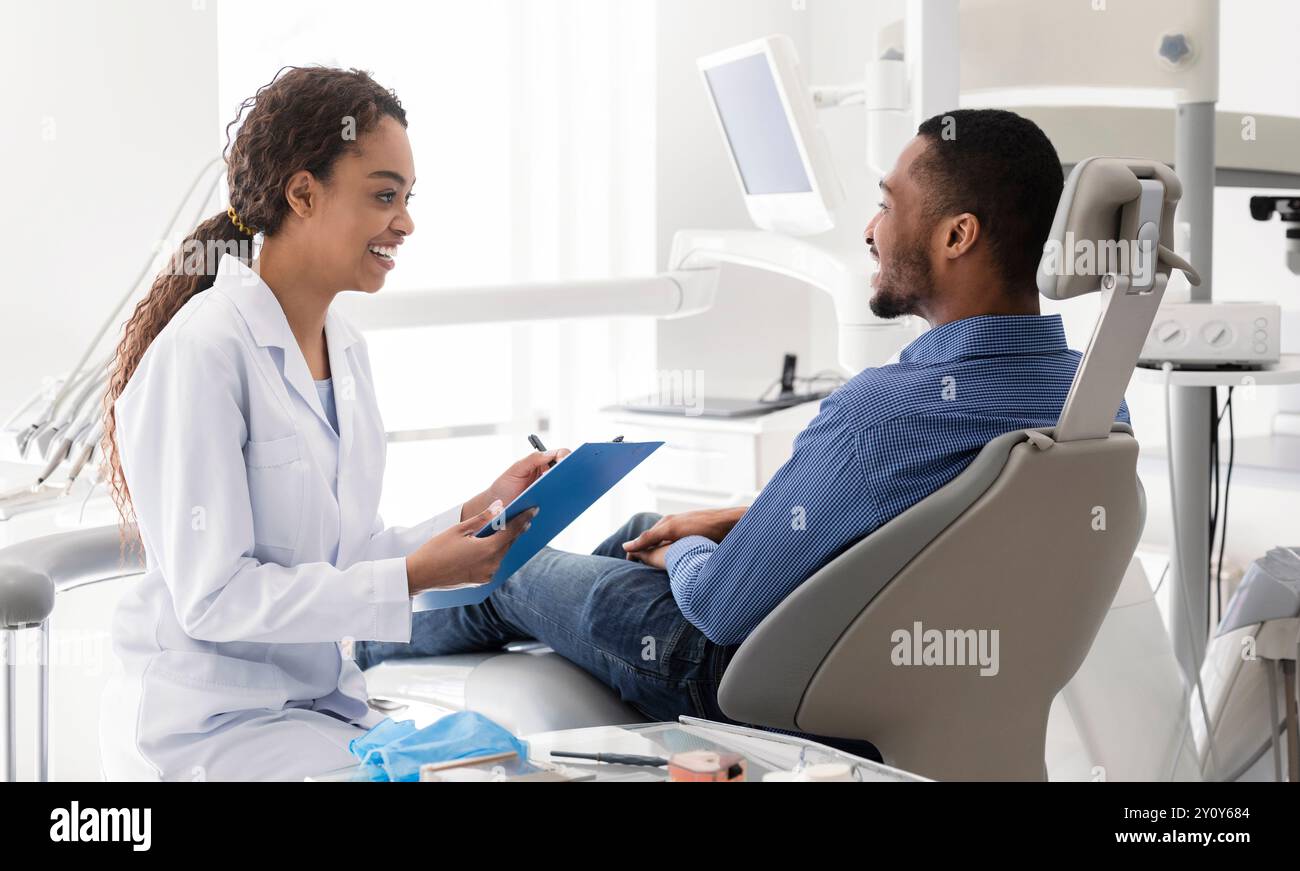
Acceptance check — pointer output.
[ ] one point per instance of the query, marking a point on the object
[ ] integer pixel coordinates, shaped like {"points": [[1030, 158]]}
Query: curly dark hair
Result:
{"points": [[305, 118], [1002, 168]]}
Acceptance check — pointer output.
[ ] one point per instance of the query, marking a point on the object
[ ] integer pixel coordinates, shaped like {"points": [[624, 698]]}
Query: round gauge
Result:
{"points": [[1170, 334], [1217, 334]]}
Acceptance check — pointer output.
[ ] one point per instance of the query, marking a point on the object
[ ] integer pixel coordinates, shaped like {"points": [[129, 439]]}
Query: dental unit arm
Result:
{"points": [[796, 241], [59, 425]]}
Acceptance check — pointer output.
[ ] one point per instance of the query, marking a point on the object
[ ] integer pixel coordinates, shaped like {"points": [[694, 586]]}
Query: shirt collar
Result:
{"points": [[270, 328], [987, 336], [262, 311]]}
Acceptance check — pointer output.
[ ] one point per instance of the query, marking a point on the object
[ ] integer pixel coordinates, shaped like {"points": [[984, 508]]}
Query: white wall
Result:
{"points": [[737, 346], [111, 110]]}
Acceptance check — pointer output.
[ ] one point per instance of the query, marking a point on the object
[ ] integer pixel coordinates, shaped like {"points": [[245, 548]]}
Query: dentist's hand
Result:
{"points": [[455, 556], [712, 523], [514, 480]]}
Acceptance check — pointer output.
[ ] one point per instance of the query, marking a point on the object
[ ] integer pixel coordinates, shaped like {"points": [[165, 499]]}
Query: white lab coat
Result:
{"points": [[230, 642]]}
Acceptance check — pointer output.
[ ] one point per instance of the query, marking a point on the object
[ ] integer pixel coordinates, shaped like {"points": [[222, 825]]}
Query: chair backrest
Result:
{"points": [[1013, 564], [944, 635]]}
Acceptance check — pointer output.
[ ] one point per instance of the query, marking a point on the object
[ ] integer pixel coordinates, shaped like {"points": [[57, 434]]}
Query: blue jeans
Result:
{"points": [[614, 617]]}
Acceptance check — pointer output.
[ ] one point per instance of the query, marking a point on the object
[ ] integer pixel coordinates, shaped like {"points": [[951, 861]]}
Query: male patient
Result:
{"points": [[658, 609]]}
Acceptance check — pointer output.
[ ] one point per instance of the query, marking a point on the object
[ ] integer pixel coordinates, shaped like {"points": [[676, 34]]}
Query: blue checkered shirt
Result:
{"points": [[880, 443]]}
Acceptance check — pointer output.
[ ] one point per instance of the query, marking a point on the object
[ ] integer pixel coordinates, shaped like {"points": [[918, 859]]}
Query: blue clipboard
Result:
{"points": [[572, 486]]}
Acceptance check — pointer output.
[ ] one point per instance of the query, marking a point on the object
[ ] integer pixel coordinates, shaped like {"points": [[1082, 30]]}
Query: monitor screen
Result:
{"points": [[758, 131]]}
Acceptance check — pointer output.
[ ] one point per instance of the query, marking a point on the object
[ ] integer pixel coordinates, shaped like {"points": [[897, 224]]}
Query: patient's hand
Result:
{"points": [[655, 556], [712, 523]]}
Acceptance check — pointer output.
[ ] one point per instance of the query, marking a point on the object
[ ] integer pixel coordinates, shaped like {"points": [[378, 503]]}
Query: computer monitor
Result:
{"points": [[768, 120]]}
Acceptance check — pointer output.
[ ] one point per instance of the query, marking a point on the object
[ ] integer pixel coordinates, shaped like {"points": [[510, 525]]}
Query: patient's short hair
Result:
{"points": [[1001, 168]]}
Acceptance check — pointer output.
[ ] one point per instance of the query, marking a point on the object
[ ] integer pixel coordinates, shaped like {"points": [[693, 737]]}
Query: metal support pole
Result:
{"points": [[931, 47], [1292, 723], [1270, 670], [1194, 161], [9, 675], [43, 704], [1193, 408]]}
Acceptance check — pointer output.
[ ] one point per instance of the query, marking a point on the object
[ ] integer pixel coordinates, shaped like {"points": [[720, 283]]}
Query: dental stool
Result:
{"points": [[32, 574]]}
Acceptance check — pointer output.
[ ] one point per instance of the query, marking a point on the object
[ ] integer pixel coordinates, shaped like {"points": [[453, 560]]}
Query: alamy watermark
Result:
{"points": [[91, 825], [75, 650], [1131, 257], [198, 256], [671, 388], [950, 647]]}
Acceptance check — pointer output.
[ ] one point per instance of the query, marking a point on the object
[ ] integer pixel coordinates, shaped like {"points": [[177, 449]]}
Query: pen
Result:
{"points": [[612, 758], [537, 443]]}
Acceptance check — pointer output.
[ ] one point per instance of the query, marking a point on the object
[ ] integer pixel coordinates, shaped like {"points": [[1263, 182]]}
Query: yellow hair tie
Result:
{"points": [[234, 219]]}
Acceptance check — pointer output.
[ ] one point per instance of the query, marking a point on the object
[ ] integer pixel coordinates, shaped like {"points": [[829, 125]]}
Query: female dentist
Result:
{"points": [[243, 437]]}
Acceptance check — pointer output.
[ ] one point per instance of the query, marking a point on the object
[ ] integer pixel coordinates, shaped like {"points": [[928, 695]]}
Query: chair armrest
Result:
{"points": [[33, 571]]}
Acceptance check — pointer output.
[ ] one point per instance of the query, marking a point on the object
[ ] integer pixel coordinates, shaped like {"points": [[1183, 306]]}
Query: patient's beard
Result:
{"points": [[908, 282]]}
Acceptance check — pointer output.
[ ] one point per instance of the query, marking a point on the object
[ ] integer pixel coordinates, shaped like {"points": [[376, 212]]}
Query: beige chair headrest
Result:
{"points": [[1098, 208]]}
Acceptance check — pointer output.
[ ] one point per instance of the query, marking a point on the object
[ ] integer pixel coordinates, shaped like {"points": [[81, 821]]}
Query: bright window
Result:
{"points": [[533, 129]]}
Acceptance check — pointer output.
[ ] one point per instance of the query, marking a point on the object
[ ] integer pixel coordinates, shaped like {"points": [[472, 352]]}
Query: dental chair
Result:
{"points": [[1031, 541]]}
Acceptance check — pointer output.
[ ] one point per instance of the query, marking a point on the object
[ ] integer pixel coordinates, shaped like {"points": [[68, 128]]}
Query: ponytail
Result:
{"points": [[191, 270]]}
